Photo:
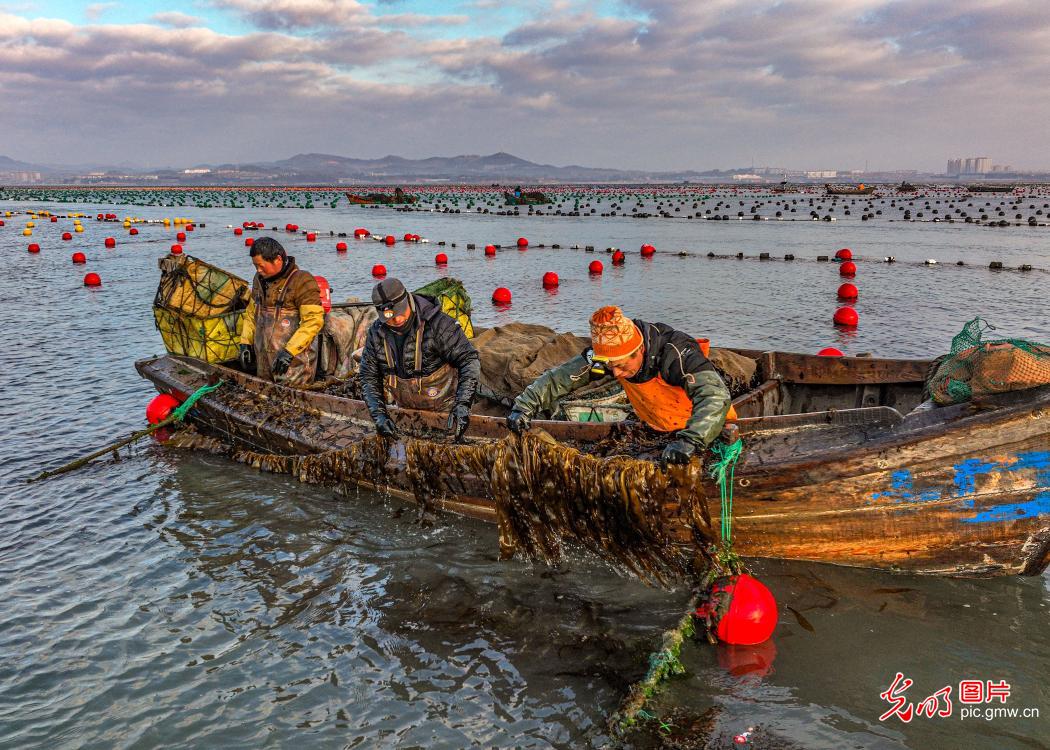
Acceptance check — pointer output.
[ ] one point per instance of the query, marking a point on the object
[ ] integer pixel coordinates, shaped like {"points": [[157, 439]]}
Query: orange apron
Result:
{"points": [[664, 407]]}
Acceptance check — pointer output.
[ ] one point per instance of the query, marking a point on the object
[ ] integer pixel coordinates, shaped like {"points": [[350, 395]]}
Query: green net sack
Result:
{"points": [[977, 366], [198, 309], [454, 300]]}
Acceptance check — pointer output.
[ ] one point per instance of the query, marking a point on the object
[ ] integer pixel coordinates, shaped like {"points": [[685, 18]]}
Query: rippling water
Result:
{"points": [[176, 599]]}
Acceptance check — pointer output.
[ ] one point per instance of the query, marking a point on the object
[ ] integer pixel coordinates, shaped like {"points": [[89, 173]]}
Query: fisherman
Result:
{"points": [[672, 386], [284, 316], [417, 357]]}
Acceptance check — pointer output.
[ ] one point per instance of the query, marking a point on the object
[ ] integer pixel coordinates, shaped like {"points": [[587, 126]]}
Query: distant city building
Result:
{"points": [[24, 178], [822, 174], [745, 177], [969, 165], [982, 164], [955, 167], [199, 170]]}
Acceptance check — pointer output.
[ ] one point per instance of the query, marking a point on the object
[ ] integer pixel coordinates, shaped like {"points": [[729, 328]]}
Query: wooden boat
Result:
{"points": [[993, 188], [525, 199], [849, 189], [907, 187], [833, 471], [398, 198]]}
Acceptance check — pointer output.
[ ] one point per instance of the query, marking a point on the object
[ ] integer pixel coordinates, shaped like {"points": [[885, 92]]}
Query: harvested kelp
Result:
{"points": [[546, 495]]}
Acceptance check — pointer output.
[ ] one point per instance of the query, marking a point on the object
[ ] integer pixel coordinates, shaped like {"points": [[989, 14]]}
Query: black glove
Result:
{"points": [[246, 357], [385, 427], [458, 420], [281, 362], [677, 452], [518, 421]]}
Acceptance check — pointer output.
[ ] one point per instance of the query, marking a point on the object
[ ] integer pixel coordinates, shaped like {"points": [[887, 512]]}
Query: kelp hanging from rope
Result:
{"points": [[546, 495]]}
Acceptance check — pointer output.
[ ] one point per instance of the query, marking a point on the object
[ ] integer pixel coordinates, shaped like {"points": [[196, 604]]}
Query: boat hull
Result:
{"points": [[954, 491]]}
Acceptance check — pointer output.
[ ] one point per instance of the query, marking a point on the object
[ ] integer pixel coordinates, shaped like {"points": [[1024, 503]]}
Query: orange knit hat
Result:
{"points": [[614, 336]]}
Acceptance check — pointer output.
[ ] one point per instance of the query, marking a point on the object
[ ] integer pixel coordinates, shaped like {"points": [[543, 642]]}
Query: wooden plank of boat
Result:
{"points": [[960, 490]]}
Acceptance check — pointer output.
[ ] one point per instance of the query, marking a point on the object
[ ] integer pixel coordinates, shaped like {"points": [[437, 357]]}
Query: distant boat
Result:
{"points": [[399, 197], [985, 188], [519, 198], [849, 189], [906, 187]]}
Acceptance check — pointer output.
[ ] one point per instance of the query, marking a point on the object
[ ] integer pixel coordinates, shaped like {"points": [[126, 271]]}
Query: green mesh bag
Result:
{"points": [[976, 366], [454, 300]]}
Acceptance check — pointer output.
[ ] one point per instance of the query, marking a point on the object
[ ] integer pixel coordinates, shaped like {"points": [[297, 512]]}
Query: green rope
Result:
{"points": [[723, 472], [180, 412]]}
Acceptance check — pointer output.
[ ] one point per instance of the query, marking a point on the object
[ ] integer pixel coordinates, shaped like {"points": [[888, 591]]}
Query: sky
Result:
{"points": [[635, 84]]}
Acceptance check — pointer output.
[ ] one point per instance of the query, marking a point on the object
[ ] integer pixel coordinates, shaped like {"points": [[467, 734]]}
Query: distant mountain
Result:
{"points": [[7, 164]]}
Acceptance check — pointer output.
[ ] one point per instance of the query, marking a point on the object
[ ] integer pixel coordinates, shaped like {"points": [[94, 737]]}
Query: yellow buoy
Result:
{"points": [[30, 224], [78, 228], [27, 232]]}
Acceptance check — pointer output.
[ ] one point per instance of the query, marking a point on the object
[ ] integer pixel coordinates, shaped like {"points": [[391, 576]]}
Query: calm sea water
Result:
{"points": [[173, 599]]}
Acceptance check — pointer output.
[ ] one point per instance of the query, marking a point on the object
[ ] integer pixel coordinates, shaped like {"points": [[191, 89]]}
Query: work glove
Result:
{"points": [[385, 427], [458, 421], [281, 362], [518, 422], [246, 357], [677, 452]]}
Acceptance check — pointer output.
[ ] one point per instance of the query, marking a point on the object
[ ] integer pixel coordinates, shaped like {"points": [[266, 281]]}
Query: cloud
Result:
{"points": [[177, 20], [97, 10], [668, 84]]}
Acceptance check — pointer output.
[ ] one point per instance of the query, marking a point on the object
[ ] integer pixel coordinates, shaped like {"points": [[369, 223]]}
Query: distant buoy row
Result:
{"points": [[845, 316]]}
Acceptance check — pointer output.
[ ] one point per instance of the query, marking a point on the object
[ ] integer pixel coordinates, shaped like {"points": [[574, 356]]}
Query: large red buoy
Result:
{"points": [[161, 407], [379, 270], [33, 248], [844, 254], [238, 231], [92, 279], [110, 242], [79, 258], [389, 239], [176, 249], [490, 251], [846, 317], [248, 241], [441, 259], [501, 296], [618, 258], [133, 231], [829, 351], [550, 280], [340, 247], [326, 293], [311, 237], [648, 251], [596, 268], [67, 236], [848, 269], [752, 614], [847, 291], [180, 236], [522, 242]]}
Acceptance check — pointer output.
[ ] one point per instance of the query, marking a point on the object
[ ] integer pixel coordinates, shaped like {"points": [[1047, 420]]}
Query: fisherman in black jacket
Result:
{"points": [[417, 357]]}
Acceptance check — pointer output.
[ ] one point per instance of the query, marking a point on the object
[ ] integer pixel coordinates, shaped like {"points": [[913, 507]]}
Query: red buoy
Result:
{"points": [[846, 317], [326, 293], [648, 251], [247, 224], [161, 407], [92, 279], [522, 242], [311, 237], [54, 219], [189, 227], [361, 232], [409, 237], [34, 248], [176, 249], [618, 258], [848, 269], [596, 268], [829, 351], [181, 236], [379, 270], [844, 254], [490, 251], [110, 242], [550, 280], [501, 296], [752, 614], [133, 231], [79, 258], [248, 241], [389, 239], [67, 236], [340, 247], [847, 291], [441, 259], [238, 231], [1, 222]]}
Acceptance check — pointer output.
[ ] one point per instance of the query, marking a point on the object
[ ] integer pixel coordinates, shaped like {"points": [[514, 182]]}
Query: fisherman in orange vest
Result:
{"points": [[672, 386]]}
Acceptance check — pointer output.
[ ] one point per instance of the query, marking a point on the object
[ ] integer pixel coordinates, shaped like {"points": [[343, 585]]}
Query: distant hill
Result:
{"points": [[7, 164]]}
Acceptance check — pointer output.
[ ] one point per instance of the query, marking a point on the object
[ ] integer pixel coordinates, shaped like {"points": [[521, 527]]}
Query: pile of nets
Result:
{"points": [[454, 300], [198, 309], [651, 523], [978, 367]]}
